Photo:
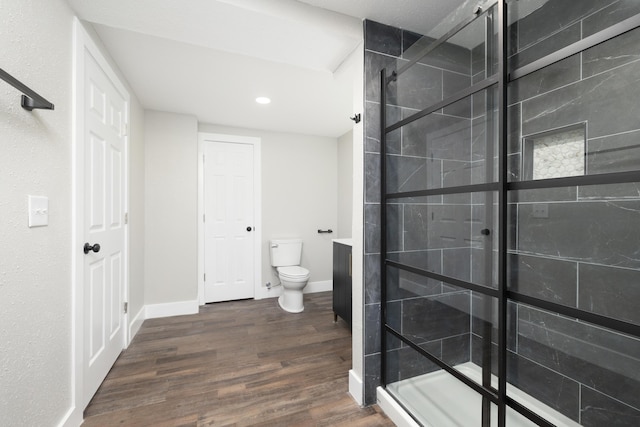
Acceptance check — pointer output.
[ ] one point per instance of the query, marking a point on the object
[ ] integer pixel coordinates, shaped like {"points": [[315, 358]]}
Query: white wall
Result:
{"points": [[36, 41], [345, 184], [299, 181], [136, 209], [35, 263], [356, 375], [171, 206]]}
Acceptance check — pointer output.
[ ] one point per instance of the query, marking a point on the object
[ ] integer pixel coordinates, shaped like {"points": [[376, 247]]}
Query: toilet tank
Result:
{"points": [[285, 252]]}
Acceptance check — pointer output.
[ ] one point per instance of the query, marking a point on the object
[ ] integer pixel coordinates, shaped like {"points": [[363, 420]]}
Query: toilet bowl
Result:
{"points": [[285, 257], [293, 279]]}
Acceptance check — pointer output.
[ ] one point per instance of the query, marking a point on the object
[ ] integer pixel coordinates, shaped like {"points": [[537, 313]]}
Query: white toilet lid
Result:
{"points": [[293, 271]]}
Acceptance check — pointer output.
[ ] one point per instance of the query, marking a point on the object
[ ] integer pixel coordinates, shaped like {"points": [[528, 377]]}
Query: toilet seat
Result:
{"points": [[293, 272]]}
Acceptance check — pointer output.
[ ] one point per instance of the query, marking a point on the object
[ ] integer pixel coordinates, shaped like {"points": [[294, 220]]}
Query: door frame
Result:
{"points": [[203, 138], [83, 41]]}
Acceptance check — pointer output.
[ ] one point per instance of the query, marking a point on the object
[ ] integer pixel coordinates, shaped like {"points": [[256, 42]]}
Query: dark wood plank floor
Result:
{"points": [[238, 363]]}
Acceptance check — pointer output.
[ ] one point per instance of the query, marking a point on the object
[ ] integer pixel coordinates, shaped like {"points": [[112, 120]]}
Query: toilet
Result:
{"points": [[285, 256]]}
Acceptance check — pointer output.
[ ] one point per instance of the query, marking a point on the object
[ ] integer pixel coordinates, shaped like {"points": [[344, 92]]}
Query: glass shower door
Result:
{"points": [[510, 200], [440, 195]]}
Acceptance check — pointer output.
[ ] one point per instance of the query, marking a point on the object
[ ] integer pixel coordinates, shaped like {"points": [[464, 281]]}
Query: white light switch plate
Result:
{"points": [[38, 211]]}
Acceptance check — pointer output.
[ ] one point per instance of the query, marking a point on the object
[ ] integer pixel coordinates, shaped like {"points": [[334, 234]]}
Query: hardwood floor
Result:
{"points": [[241, 363]]}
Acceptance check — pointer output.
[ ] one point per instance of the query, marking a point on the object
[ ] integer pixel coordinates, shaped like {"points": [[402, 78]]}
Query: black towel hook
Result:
{"points": [[356, 118]]}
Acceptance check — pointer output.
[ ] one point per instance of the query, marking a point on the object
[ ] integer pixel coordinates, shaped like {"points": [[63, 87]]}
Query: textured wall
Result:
{"points": [[35, 263]]}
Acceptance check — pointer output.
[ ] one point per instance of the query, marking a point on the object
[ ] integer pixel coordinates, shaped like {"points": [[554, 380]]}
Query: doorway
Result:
{"points": [[229, 217]]}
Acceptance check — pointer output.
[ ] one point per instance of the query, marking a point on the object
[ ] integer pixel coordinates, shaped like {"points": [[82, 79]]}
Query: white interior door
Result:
{"points": [[228, 221], [104, 138]]}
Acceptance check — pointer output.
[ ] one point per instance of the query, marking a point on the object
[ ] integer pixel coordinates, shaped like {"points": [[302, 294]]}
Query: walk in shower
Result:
{"points": [[510, 216]]}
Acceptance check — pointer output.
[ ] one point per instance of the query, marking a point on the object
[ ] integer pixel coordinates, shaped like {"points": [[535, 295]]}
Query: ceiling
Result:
{"points": [[212, 58]]}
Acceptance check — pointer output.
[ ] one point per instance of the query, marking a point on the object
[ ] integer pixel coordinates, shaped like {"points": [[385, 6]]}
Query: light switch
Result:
{"points": [[38, 211]]}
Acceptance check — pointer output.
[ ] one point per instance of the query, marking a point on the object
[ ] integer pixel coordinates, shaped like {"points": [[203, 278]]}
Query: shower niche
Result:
{"points": [[510, 217], [555, 154]]}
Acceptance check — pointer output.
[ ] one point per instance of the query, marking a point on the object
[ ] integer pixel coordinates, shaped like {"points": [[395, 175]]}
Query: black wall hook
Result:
{"points": [[356, 118]]}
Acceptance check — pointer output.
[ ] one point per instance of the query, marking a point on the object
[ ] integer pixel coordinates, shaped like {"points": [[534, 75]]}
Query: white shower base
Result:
{"points": [[439, 399]]}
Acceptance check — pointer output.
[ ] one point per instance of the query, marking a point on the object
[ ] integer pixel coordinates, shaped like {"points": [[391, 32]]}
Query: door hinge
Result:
{"points": [[126, 307], [126, 217]]}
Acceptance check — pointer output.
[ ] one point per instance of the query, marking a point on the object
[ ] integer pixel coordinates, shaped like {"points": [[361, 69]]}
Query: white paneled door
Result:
{"points": [[104, 139], [228, 221]]}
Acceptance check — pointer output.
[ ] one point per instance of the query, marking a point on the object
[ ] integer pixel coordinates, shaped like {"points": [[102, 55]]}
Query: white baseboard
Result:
{"points": [[393, 410], [72, 418], [312, 287], [355, 387], [136, 323], [322, 286], [153, 311], [263, 292]]}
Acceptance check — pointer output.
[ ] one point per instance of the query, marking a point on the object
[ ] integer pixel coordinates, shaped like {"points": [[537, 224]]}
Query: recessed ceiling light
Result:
{"points": [[263, 100]]}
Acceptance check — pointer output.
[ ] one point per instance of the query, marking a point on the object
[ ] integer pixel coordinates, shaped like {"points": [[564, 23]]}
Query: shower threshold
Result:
{"points": [[438, 399]]}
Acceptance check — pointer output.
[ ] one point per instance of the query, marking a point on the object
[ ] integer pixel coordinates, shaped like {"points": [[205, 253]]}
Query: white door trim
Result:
{"points": [[257, 206], [83, 42]]}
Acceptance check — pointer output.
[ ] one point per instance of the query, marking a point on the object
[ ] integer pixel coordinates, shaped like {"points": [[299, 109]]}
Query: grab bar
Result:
{"points": [[30, 99]]}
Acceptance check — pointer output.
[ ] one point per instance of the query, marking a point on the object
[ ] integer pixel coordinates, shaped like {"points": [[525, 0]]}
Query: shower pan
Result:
{"points": [[510, 217]]}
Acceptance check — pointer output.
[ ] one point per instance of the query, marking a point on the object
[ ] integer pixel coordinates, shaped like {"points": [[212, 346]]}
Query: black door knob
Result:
{"points": [[249, 228], [94, 248]]}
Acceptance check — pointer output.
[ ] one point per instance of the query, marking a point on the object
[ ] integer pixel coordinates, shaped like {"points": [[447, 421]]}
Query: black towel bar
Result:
{"points": [[30, 99], [325, 231]]}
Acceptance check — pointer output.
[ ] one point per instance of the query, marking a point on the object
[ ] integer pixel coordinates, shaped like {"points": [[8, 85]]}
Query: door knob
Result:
{"points": [[249, 228], [94, 248]]}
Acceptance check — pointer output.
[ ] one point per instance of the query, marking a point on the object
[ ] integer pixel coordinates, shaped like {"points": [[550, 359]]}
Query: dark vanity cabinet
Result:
{"points": [[342, 282]]}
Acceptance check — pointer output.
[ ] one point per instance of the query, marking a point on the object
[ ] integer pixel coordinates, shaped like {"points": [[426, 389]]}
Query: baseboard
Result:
{"points": [[393, 410], [153, 311], [136, 323], [263, 292], [72, 418], [311, 288], [322, 286], [355, 387]]}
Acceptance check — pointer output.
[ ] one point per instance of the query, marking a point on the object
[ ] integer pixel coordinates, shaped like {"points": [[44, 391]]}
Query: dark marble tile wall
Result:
{"points": [[578, 246], [554, 17], [383, 46], [575, 355], [429, 233]]}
